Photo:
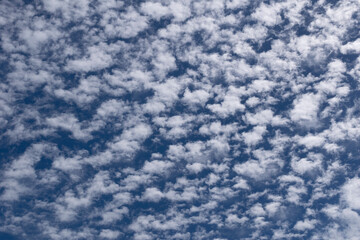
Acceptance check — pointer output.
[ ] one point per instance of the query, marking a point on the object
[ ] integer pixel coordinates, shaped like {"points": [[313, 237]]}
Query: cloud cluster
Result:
{"points": [[222, 119]]}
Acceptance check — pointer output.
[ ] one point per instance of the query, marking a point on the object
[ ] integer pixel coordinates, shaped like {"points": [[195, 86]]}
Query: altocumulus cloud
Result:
{"points": [[208, 119]]}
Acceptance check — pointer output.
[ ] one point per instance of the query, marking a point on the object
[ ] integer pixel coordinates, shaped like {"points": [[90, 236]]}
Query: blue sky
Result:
{"points": [[223, 119]]}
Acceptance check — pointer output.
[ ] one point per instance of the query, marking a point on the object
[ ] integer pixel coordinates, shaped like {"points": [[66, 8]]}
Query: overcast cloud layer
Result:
{"points": [[223, 119]]}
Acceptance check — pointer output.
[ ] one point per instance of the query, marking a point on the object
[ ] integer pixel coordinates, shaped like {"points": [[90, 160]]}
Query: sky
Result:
{"points": [[184, 120]]}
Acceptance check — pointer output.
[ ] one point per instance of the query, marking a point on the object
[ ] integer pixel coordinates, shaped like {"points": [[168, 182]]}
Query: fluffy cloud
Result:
{"points": [[179, 120], [306, 109], [351, 192]]}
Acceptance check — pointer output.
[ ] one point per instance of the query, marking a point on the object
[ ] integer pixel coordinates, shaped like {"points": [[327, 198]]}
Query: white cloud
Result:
{"points": [[139, 132], [36, 38], [175, 102], [180, 11], [109, 234], [351, 47], [154, 9], [229, 106], [351, 193], [125, 25], [68, 164], [195, 167], [268, 14], [311, 141], [272, 208], [254, 137], [294, 194], [114, 215], [197, 97], [267, 165], [152, 194], [97, 59], [305, 225], [257, 210], [306, 109], [68, 8], [311, 163], [250, 168], [19, 176], [70, 123], [261, 86], [157, 166]]}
